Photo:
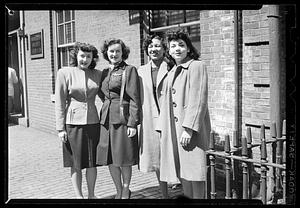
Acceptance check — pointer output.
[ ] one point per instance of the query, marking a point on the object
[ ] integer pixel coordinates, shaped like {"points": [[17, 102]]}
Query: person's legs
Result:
{"points": [[187, 188], [76, 177], [163, 186], [115, 173], [10, 104], [198, 189], [126, 175], [91, 175]]}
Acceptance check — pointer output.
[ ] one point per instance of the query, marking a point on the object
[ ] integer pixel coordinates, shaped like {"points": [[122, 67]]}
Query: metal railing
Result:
{"points": [[242, 156]]}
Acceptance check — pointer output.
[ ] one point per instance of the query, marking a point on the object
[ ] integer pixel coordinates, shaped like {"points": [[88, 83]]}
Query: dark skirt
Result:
{"points": [[115, 147], [80, 149]]}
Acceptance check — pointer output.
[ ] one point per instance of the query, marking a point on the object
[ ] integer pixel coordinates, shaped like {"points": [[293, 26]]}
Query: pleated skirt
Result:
{"points": [[80, 149]]}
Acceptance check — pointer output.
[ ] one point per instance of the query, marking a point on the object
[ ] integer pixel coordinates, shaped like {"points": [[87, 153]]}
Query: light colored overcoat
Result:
{"points": [[149, 141], [184, 104]]}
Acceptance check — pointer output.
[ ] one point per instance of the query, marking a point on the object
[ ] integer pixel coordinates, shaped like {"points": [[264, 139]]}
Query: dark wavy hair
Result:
{"points": [[85, 47], [183, 35], [149, 38], [107, 43]]}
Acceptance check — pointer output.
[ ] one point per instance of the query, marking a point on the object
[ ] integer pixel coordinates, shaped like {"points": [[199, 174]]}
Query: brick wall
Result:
{"points": [[255, 102], [39, 78], [217, 51]]}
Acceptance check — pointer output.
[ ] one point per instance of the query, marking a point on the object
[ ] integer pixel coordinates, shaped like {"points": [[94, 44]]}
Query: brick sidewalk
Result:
{"points": [[36, 171]]}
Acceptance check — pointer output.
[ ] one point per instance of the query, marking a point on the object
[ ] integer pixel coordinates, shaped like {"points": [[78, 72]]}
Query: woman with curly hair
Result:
{"points": [[77, 120], [119, 116], [152, 75], [184, 121]]}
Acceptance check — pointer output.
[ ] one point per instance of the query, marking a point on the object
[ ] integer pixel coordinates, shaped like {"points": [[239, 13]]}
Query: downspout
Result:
{"points": [[275, 66], [236, 190], [24, 74], [237, 69]]}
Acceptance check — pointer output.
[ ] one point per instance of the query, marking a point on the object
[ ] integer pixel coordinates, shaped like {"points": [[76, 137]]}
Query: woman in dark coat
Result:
{"points": [[118, 145]]}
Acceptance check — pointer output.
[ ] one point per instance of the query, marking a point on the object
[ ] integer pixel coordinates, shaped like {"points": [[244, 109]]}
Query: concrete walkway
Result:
{"points": [[35, 171]]}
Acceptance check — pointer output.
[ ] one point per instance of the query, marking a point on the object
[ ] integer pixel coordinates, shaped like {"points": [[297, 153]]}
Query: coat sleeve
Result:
{"points": [[61, 93], [102, 76], [133, 91], [197, 99]]}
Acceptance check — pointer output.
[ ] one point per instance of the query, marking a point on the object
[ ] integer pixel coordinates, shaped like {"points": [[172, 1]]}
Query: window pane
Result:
{"points": [[73, 15], [60, 34], [64, 57], [159, 18], [68, 33], [67, 15], [176, 17], [60, 17], [73, 28]]}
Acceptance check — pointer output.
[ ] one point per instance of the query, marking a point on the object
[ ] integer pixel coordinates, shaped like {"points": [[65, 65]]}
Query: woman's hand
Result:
{"points": [[186, 137], [131, 131], [63, 136]]}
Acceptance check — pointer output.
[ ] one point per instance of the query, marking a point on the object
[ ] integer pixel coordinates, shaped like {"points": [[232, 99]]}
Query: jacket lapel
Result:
{"points": [[162, 72]]}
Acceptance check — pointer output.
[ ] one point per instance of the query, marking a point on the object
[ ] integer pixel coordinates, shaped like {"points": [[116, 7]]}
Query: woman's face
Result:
{"points": [[114, 53], [156, 49], [84, 59], [178, 50]]}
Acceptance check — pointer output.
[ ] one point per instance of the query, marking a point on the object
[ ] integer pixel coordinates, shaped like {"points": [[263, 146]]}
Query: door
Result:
{"points": [[13, 61]]}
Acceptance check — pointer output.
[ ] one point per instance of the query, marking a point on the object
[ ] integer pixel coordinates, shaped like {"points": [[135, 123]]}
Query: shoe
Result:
{"points": [[129, 195]]}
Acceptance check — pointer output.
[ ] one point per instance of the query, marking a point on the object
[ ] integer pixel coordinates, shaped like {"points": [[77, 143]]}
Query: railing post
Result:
{"points": [[245, 168], [274, 160], [263, 167], [212, 166], [250, 165], [227, 167], [236, 190]]}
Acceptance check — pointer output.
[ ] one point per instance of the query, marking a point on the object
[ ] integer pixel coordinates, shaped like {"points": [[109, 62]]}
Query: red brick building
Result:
{"points": [[235, 45]]}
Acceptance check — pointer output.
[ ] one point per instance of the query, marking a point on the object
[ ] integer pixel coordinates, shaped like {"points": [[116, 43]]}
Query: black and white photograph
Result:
{"points": [[148, 106]]}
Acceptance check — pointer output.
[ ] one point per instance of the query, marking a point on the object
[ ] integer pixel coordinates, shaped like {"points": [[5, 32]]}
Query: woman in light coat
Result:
{"points": [[152, 76], [184, 121]]}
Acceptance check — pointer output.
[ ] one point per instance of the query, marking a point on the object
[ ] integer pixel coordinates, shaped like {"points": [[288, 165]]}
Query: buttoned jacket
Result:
{"points": [[75, 93], [111, 99]]}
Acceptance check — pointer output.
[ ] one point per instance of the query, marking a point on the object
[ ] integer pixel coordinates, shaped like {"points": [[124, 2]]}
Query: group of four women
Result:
{"points": [[155, 117]]}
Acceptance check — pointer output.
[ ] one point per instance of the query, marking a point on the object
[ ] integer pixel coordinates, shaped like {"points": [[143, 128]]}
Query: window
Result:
{"points": [[161, 20], [65, 28]]}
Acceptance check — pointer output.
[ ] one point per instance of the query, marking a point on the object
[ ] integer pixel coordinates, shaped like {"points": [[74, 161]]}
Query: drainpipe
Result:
{"points": [[237, 69], [236, 191], [275, 34], [24, 74]]}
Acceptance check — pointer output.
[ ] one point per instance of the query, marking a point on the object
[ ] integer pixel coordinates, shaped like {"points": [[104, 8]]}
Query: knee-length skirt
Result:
{"points": [[115, 147], [80, 149]]}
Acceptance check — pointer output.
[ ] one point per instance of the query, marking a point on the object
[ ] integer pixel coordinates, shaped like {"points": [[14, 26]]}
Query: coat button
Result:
{"points": [[173, 91], [174, 104], [176, 119]]}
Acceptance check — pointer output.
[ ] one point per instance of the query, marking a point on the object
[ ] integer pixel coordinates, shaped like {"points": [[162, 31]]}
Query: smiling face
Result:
{"points": [[155, 50], [178, 50], [114, 53], [84, 59]]}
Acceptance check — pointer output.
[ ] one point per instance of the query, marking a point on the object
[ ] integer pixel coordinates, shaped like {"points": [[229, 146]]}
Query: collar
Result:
{"points": [[186, 64], [119, 65]]}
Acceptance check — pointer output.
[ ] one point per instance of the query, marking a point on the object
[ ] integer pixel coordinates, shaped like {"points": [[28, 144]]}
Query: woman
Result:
{"points": [[77, 120], [118, 145], [184, 121], [152, 76]]}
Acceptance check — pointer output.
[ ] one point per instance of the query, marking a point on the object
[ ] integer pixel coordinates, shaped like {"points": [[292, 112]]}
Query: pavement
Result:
{"points": [[35, 171]]}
